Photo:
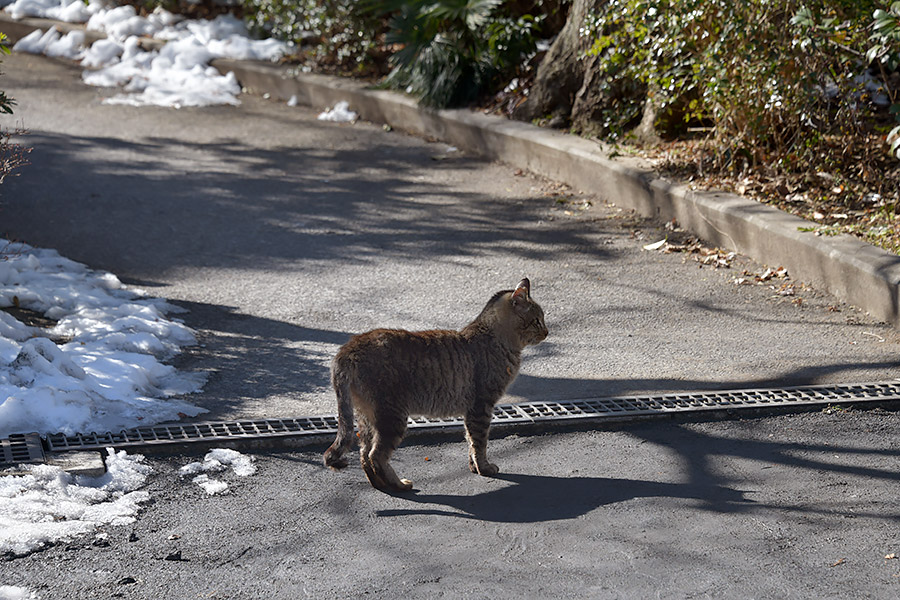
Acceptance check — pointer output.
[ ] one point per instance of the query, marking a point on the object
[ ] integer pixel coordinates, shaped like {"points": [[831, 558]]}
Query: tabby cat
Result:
{"points": [[389, 374]]}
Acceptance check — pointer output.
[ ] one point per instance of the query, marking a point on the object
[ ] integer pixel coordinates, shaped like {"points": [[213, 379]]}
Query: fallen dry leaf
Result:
{"points": [[779, 273], [655, 245]]}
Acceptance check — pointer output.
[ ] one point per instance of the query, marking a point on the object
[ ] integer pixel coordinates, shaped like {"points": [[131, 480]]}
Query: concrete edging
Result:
{"points": [[852, 270]]}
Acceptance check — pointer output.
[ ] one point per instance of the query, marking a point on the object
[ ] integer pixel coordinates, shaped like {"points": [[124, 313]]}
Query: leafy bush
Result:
{"points": [[774, 81], [885, 53], [12, 154], [446, 52], [449, 51], [333, 35], [6, 103]]}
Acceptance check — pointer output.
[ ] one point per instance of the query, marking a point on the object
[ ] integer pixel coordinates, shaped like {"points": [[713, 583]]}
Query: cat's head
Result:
{"points": [[533, 330], [517, 315]]}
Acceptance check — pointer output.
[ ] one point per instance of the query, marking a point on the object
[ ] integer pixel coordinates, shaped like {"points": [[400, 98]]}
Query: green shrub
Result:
{"points": [[773, 80], [450, 51], [885, 53], [333, 35], [12, 154], [6, 103], [445, 52]]}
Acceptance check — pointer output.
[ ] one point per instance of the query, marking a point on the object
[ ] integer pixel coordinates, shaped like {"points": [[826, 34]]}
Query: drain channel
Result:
{"points": [[615, 408], [20, 449]]}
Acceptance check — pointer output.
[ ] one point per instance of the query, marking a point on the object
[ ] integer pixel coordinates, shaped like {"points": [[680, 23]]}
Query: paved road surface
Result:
{"points": [[282, 236]]}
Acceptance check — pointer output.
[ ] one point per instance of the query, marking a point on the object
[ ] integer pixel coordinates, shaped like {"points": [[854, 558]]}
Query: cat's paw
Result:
{"points": [[485, 469], [337, 464], [405, 485], [488, 470]]}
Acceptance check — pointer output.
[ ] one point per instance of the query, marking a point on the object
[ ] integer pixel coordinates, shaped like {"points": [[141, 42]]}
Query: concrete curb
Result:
{"points": [[850, 269]]}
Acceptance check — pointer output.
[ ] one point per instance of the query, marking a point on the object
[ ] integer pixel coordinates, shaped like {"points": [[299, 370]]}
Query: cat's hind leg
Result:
{"points": [[478, 425], [366, 435], [379, 470]]}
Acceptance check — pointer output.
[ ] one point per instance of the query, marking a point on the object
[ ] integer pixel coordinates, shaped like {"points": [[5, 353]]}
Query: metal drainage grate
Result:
{"points": [[20, 449], [616, 408], [194, 432]]}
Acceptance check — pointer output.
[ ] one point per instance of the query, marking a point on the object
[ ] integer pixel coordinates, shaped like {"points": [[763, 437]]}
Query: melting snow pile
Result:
{"points": [[341, 113], [12, 592], [103, 372], [70, 12], [45, 504], [217, 461], [177, 75]]}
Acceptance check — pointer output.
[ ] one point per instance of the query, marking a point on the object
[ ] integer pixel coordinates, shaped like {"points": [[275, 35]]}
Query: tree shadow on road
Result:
{"points": [[832, 464], [540, 387], [252, 357], [160, 203]]}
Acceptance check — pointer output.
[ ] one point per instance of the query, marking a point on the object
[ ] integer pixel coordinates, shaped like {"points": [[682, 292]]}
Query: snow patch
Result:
{"points": [[45, 504], [12, 592], [178, 75], [341, 113], [104, 371], [51, 43], [217, 461], [70, 11]]}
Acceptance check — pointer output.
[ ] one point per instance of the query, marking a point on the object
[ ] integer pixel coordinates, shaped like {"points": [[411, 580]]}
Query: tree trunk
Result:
{"points": [[560, 76]]}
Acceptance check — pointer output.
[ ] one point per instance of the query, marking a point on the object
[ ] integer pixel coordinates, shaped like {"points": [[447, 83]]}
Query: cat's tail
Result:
{"points": [[334, 456]]}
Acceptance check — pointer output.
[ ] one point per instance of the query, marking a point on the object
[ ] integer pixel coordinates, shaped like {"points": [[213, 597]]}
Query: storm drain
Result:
{"points": [[20, 449], [615, 408]]}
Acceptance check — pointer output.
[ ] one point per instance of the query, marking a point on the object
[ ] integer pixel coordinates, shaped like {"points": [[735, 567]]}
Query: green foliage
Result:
{"points": [[6, 103], [885, 37], [638, 41], [449, 51], [446, 52], [12, 155], [334, 34], [885, 52], [774, 80]]}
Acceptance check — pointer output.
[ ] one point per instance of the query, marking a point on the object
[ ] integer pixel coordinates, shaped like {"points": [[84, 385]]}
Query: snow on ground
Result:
{"points": [[341, 113], [177, 75], [216, 461], [73, 11], [12, 592], [45, 504], [42, 504], [100, 367]]}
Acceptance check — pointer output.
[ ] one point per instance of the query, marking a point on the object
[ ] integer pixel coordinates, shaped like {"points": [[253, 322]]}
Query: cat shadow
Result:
{"points": [[541, 498]]}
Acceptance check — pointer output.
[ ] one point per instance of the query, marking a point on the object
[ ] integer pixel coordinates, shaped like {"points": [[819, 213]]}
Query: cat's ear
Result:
{"points": [[523, 290]]}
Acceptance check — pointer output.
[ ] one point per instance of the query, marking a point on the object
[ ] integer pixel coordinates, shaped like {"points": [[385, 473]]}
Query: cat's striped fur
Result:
{"points": [[387, 375]]}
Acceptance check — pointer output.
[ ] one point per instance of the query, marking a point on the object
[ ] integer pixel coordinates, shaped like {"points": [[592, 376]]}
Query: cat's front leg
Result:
{"points": [[478, 425]]}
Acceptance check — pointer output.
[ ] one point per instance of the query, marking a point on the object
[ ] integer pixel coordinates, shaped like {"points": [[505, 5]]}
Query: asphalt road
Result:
{"points": [[282, 236]]}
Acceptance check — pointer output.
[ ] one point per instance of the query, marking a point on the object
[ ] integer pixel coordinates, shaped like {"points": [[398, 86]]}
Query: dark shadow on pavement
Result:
{"points": [[539, 498], [701, 453], [136, 209], [535, 387], [251, 357]]}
